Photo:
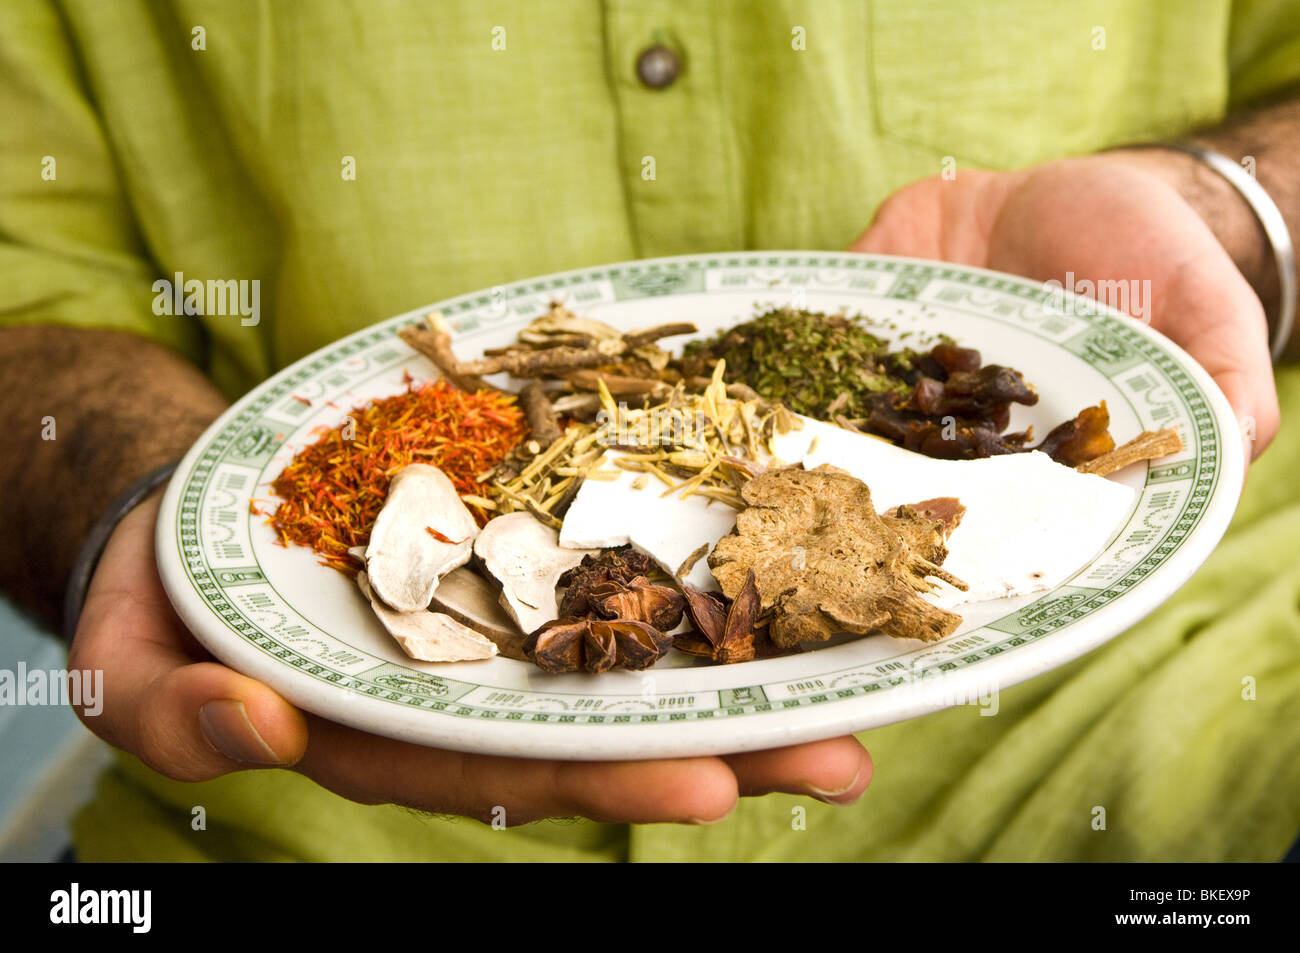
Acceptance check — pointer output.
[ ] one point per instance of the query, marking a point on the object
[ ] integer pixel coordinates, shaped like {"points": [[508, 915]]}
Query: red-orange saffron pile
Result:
{"points": [[333, 490]]}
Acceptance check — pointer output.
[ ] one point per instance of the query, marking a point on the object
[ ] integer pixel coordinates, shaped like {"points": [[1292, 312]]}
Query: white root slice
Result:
{"points": [[469, 598], [404, 560], [526, 557], [429, 636]]}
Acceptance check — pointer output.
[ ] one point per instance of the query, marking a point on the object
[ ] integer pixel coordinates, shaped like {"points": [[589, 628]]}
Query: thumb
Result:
{"points": [[185, 716]]}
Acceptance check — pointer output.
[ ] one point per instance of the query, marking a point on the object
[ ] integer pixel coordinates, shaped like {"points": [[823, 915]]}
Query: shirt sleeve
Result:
{"points": [[70, 249], [1263, 50]]}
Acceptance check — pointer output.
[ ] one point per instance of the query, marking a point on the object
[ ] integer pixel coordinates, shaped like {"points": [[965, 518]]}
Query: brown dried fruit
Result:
{"points": [[1082, 439], [622, 564], [825, 562], [566, 645], [725, 635], [638, 599], [558, 646]]}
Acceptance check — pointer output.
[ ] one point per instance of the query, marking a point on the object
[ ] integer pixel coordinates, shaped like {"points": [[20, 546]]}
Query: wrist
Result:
{"points": [[142, 495], [111, 407], [1225, 211]]}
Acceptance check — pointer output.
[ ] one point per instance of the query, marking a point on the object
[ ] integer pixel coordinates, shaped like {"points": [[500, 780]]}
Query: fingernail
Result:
{"points": [[836, 797], [226, 726]]}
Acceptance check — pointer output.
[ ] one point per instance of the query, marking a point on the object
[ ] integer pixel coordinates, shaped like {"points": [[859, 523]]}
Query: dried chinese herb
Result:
{"points": [[725, 635], [824, 561], [595, 646], [942, 403], [638, 599], [807, 360], [622, 564], [333, 489]]}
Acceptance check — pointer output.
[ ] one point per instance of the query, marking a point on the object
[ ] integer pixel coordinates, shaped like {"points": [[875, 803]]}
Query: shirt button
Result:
{"points": [[658, 67]]}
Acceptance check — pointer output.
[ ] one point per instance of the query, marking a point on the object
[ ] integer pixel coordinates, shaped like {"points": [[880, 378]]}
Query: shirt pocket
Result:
{"points": [[1018, 82]]}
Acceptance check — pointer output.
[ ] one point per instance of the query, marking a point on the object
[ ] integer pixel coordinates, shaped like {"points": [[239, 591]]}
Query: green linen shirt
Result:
{"points": [[363, 158]]}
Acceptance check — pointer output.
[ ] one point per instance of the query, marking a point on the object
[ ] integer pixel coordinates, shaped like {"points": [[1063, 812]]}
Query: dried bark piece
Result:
{"points": [[560, 341], [404, 560], [1148, 445], [636, 339], [434, 342], [824, 561], [619, 385], [544, 362], [543, 424], [689, 562], [429, 636]]}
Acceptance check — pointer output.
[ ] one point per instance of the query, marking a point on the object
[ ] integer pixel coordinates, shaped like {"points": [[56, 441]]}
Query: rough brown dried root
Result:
{"points": [[825, 562]]}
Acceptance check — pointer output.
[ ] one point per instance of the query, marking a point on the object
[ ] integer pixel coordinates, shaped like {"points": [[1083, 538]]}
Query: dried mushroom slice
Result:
{"points": [[825, 562], [422, 533]]}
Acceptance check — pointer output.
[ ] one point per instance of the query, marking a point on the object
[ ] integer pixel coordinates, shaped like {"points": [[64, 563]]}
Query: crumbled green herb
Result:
{"points": [[807, 360]]}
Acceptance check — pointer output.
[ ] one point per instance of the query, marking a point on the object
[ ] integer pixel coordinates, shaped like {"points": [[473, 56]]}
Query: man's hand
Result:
{"points": [[1115, 216], [192, 719]]}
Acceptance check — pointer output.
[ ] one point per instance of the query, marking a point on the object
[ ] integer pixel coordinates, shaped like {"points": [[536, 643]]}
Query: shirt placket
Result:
{"points": [[674, 139]]}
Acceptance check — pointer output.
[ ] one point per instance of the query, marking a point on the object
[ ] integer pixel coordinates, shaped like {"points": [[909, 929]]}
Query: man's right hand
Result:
{"points": [[190, 718]]}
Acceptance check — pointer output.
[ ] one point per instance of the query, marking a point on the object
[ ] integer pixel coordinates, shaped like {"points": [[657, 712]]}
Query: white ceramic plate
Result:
{"points": [[277, 615]]}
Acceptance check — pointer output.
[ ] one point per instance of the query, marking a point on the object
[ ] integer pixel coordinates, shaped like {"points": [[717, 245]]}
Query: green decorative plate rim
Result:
{"points": [[431, 707]]}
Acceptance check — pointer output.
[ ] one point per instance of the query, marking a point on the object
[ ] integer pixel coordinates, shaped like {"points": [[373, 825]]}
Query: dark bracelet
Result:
{"points": [[74, 597]]}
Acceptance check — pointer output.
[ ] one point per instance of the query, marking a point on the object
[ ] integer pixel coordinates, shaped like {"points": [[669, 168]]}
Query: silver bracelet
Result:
{"points": [[1274, 225], [74, 597]]}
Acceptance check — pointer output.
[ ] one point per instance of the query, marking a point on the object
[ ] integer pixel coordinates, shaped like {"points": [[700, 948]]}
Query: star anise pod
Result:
{"points": [[617, 565], [639, 599], [723, 633], [595, 646]]}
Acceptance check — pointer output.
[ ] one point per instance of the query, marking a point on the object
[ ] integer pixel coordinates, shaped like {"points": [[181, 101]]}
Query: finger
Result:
{"points": [[516, 790], [837, 770], [1214, 312], [189, 720], [899, 225]]}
